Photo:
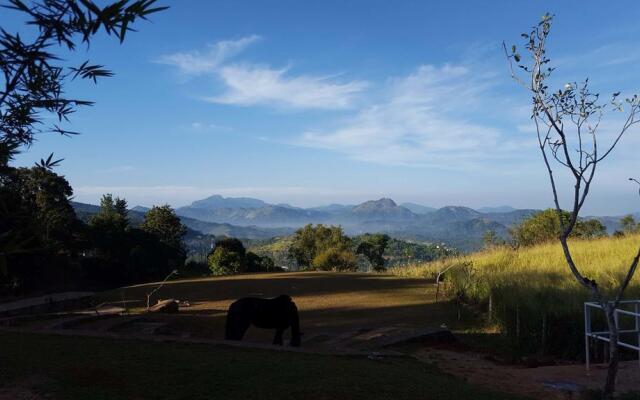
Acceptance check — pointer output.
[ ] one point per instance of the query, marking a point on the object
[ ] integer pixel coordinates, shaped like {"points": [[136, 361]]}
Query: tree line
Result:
{"points": [[545, 226], [46, 246]]}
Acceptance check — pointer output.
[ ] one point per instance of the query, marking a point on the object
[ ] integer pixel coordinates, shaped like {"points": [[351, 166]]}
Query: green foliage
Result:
{"points": [[544, 226], [163, 222], [35, 78], [42, 244], [121, 254], [226, 262], [277, 249], [372, 246], [335, 259], [628, 225], [257, 263], [37, 228], [112, 214], [400, 253], [230, 257], [490, 238], [309, 241]]}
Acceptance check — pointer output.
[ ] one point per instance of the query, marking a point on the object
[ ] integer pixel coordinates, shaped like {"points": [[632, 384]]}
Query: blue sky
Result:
{"points": [[339, 101]]}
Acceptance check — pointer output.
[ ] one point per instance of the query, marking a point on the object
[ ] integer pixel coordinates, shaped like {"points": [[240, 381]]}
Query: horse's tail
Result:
{"points": [[295, 325]]}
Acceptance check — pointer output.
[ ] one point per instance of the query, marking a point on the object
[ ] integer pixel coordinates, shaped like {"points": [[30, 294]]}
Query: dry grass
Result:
{"points": [[535, 298]]}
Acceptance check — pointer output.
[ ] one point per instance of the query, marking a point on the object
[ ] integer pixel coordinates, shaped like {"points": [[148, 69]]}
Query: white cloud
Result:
{"points": [[425, 120], [198, 63], [207, 127], [250, 85]]}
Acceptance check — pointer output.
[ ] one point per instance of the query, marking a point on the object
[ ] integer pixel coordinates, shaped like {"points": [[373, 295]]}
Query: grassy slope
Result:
{"points": [[91, 368], [606, 260], [536, 300]]}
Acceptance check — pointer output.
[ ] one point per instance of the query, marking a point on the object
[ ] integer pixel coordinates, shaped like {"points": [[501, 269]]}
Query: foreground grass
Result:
{"points": [[95, 368], [534, 297]]}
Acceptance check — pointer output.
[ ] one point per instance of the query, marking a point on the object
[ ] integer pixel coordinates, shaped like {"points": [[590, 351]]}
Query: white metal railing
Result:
{"points": [[604, 335]]}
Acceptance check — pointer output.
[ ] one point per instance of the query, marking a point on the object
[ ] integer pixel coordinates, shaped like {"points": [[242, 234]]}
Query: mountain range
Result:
{"points": [[250, 218], [457, 226]]}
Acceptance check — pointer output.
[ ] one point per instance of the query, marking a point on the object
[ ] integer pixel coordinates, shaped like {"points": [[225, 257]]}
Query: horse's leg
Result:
{"points": [[294, 321], [277, 339]]}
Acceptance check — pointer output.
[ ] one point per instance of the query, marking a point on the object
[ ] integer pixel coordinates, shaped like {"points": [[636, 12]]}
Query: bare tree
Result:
{"points": [[567, 122]]}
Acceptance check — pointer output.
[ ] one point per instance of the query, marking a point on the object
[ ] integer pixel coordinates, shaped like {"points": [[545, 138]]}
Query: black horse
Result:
{"points": [[278, 313]]}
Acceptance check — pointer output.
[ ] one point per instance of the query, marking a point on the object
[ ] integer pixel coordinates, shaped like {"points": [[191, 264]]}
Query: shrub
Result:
{"points": [[335, 260]]}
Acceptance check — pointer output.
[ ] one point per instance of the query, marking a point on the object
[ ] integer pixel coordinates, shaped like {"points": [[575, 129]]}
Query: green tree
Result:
{"points": [[228, 257], [45, 196], [257, 263], [372, 246], [112, 214], [37, 229], [628, 224], [163, 222], [309, 241], [545, 226], [589, 229]]}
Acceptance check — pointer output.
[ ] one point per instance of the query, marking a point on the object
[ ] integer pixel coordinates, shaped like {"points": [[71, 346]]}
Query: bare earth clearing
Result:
{"points": [[340, 313]]}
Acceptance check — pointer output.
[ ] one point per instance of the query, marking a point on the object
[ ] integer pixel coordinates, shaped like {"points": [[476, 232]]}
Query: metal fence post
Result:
{"points": [[587, 331]]}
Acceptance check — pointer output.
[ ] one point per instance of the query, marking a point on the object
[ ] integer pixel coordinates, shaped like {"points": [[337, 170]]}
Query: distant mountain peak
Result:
{"points": [[216, 201], [384, 202]]}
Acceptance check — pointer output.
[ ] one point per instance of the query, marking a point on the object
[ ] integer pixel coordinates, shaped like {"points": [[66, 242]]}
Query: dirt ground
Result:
{"points": [[549, 382], [328, 303]]}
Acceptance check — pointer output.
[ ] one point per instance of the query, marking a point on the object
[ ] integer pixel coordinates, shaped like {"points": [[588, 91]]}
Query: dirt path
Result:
{"points": [[552, 382]]}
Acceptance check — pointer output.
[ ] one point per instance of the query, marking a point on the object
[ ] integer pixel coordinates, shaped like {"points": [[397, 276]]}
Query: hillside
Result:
{"points": [[85, 211], [528, 285]]}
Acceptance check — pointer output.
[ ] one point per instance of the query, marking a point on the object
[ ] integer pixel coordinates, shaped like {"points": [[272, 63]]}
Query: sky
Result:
{"points": [[320, 102]]}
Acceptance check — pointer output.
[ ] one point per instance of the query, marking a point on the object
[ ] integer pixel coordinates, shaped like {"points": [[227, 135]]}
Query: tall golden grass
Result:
{"points": [[533, 295]]}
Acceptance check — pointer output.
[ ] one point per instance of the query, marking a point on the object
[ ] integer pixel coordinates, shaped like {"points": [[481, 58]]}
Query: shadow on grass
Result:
{"points": [[100, 368]]}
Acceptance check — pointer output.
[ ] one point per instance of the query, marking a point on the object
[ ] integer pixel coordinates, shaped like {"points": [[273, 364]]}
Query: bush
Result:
{"points": [[230, 257], [226, 262], [544, 226], [335, 260]]}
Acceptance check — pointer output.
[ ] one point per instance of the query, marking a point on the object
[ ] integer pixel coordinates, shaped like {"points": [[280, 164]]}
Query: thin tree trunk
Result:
{"points": [[614, 353]]}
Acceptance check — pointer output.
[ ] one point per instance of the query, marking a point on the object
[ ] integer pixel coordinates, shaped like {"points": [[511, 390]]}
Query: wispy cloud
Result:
{"points": [[203, 62], [250, 85], [198, 126], [427, 119]]}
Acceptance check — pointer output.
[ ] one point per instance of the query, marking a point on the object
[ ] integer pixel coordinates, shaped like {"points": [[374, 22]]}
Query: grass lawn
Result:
{"points": [[99, 368]]}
